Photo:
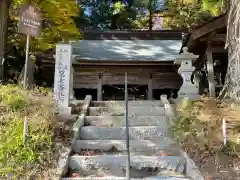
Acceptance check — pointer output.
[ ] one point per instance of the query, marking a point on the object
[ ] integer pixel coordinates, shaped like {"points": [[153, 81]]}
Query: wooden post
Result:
{"points": [[99, 89], [210, 70], [150, 91], [31, 70]]}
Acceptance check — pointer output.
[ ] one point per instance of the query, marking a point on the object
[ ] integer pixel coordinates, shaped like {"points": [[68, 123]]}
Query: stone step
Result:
{"points": [[132, 111], [84, 152], [137, 147], [124, 178], [143, 103], [115, 171], [118, 162], [118, 121], [135, 133]]}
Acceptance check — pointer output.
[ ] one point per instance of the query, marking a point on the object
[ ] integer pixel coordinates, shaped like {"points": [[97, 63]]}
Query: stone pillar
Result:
{"points": [[62, 77], [188, 89], [72, 97]]}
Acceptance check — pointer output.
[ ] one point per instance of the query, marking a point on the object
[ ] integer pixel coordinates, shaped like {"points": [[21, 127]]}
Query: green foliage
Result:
{"points": [[118, 15], [213, 6], [190, 13], [58, 25], [187, 120], [58, 22], [29, 159], [136, 13], [12, 99]]}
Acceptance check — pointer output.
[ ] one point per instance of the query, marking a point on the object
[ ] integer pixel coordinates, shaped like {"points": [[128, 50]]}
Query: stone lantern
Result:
{"points": [[188, 89]]}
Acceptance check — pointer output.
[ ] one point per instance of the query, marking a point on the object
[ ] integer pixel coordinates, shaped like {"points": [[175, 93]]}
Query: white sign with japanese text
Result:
{"points": [[62, 77]]}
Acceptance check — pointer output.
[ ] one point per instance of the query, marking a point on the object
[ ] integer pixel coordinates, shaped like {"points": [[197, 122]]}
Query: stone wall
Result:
{"points": [[65, 152]]}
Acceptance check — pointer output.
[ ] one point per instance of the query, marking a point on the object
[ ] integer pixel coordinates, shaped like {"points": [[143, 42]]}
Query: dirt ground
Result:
{"points": [[204, 139]]}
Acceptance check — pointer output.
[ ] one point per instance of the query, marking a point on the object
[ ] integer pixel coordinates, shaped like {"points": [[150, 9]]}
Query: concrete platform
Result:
{"points": [[133, 111], [135, 133], [119, 121], [164, 163]]}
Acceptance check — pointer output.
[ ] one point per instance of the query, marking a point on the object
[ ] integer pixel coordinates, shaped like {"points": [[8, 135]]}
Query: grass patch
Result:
{"points": [[37, 157], [198, 128]]}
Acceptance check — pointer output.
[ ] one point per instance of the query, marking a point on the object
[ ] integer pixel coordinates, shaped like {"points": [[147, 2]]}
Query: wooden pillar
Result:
{"points": [[210, 70], [150, 90], [99, 89]]}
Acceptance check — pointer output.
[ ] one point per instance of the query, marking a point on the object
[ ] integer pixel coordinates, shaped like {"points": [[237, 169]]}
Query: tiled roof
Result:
{"points": [[127, 50]]}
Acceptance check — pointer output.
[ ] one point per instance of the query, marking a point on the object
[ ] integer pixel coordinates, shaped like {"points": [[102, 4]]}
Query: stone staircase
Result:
{"points": [[100, 149]]}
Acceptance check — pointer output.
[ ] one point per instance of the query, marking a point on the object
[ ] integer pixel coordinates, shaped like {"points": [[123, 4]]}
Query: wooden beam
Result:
{"points": [[211, 26], [218, 50], [150, 88], [99, 89], [210, 70], [123, 63], [215, 38]]}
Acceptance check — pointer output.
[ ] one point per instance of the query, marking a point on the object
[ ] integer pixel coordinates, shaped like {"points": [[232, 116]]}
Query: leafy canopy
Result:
{"points": [[58, 23], [189, 13]]}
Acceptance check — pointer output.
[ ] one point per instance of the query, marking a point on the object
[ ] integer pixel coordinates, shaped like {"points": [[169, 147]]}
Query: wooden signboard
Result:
{"points": [[30, 21]]}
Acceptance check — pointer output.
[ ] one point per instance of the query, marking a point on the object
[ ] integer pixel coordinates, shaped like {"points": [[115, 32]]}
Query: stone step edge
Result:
{"points": [[137, 102], [133, 109], [118, 133], [132, 118], [150, 128], [123, 178], [132, 127], [128, 101], [141, 116], [130, 107], [118, 121], [123, 156], [171, 163], [121, 144]]}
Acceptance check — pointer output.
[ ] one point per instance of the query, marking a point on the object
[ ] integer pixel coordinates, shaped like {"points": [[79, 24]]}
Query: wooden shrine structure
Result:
{"points": [[102, 58], [208, 41]]}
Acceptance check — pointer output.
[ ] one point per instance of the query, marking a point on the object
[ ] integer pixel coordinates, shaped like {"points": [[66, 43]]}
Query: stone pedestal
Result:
{"points": [[188, 89], [62, 78]]}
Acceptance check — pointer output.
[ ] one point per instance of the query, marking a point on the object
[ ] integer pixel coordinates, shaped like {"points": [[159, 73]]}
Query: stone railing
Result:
{"points": [[65, 152], [191, 169]]}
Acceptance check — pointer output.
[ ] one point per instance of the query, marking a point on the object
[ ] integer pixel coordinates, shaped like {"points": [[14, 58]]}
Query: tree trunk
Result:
{"points": [[150, 15], [231, 89], [4, 4]]}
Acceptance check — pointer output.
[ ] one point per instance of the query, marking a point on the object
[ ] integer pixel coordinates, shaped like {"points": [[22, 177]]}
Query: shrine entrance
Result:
{"points": [[117, 92]]}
